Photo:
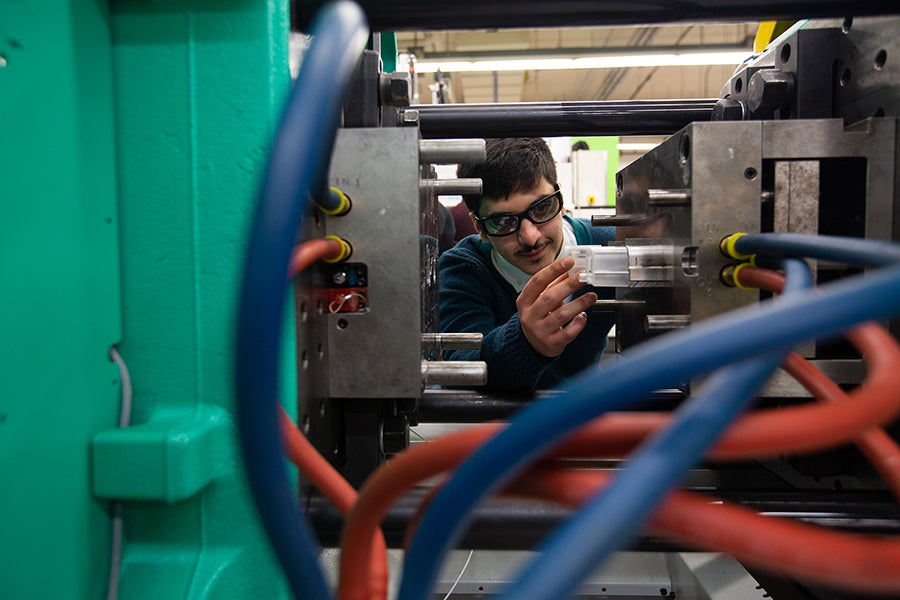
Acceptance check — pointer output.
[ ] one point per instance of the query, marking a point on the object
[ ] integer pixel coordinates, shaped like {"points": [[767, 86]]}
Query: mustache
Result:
{"points": [[527, 249]]}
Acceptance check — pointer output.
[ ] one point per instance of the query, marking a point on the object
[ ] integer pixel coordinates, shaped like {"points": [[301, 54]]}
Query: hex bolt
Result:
{"points": [[408, 118], [728, 109], [395, 89], [769, 90]]}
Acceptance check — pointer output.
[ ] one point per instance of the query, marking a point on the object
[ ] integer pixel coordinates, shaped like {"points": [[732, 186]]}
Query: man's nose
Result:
{"points": [[529, 234]]}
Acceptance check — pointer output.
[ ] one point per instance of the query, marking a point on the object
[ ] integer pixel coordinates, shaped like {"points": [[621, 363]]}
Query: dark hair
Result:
{"points": [[580, 145], [512, 165]]}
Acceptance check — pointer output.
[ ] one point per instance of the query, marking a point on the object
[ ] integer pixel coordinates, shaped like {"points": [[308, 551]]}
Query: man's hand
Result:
{"points": [[543, 311]]}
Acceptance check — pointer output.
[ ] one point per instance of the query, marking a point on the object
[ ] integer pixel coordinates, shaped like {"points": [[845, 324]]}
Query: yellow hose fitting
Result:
{"points": [[726, 246], [730, 275], [346, 249], [344, 204]]}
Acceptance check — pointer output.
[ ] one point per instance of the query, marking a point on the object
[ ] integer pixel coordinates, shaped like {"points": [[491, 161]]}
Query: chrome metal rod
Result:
{"points": [[454, 372], [473, 14], [505, 524], [668, 197], [448, 152], [452, 341], [635, 117], [452, 187], [474, 406], [666, 322]]}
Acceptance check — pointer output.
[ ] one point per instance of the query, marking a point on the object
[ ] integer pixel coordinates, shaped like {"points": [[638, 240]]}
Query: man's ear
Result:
{"points": [[477, 225]]}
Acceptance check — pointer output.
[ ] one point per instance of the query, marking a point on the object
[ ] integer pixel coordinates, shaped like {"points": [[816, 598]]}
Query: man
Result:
{"points": [[510, 282]]}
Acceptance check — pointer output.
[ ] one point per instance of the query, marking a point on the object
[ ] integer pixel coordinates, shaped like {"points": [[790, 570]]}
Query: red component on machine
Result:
{"points": [[347, 299]]}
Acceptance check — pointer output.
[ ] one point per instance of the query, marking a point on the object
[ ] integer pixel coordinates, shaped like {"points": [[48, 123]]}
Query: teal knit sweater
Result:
{"points": [[474, 297]]}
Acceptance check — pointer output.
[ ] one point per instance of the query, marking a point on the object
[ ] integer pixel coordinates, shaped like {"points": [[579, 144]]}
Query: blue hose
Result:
{"points": [[853, 251], [660, 363], [299, 158], [607, 521]]}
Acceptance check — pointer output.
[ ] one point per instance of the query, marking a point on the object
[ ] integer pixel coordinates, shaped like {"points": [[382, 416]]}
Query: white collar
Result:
{"points": [[517, 277]]}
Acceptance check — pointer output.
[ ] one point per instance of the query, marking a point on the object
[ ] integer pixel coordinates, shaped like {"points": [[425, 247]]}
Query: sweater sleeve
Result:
{"points": [[472, 300], [602, 235]]}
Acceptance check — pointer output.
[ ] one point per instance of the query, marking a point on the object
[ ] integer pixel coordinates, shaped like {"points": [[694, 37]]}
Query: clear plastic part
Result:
{"points": [[601, 266], [624, 265]]}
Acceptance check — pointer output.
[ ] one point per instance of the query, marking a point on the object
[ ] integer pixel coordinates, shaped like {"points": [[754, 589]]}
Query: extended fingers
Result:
{"points": [[570, 310], [545, 278], [576, 326], [559, 290]]}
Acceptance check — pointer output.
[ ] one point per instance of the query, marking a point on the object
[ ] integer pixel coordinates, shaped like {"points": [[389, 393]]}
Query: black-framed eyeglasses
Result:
{"points": [[540, 211]]}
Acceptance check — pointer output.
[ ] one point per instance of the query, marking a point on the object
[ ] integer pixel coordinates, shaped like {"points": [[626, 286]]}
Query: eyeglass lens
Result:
{"points": [[540, 212]]}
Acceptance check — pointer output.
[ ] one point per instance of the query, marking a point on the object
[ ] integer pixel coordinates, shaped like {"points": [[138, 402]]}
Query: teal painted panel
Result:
{"points": [[139, 132], [60, 301], [165, 459], [199, 89]]}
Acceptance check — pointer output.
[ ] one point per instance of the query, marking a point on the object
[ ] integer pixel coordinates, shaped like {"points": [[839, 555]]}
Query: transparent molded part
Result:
{"points": [[601, 266]]}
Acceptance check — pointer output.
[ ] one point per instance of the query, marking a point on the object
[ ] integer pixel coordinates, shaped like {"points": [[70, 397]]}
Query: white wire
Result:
{"points": [[125, 376], [458, 577], [344, 299], [115, 559]]}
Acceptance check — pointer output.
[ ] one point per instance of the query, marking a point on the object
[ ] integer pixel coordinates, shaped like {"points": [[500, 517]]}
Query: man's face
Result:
{"points": [[532, 247]]}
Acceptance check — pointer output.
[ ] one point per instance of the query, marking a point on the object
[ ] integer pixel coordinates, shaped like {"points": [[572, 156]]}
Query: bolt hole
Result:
{"points": [[663, 592], [317, 220], [785, 53], [880, 59], [689, 261], [750, 173], [304, 360], [620, 183], [847, 25], [343, 323], [845, 77], [603, 590], [321, 410], [837, 485], [320, 307], [305, 422], [684, 149], [879, 112], [320, 351], [739, 84], [304, 314]]}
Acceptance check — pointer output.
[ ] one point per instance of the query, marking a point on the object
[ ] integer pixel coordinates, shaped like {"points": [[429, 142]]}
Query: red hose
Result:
{"points": [[305, 456], [878, 447], [759, 434], [311, 251], [865, 563], [324, 477]]}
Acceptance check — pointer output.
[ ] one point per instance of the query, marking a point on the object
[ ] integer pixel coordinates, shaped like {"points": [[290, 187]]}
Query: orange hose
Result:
{"points": [[878, 447], [323, 476], [875, 444], [864, 563], [305, 456], [794, 429], [311, 251]]}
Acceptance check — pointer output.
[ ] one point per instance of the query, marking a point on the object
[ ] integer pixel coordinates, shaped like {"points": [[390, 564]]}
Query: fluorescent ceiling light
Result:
{"points": [[668, 59], [636, 146]]}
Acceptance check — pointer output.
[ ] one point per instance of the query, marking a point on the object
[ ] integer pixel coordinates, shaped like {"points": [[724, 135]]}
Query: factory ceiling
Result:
{"points": [[617, 83]]}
